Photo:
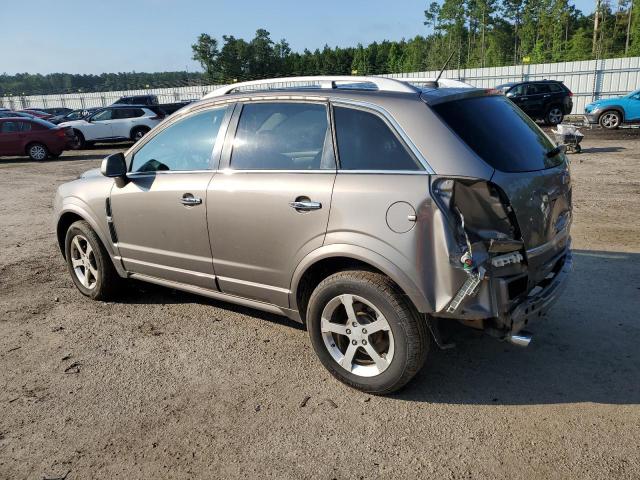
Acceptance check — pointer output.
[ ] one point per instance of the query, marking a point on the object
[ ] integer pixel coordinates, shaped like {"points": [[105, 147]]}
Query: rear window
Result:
{"points": [[500, 133]]}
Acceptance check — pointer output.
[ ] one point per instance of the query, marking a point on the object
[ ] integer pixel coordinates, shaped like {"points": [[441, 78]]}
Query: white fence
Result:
{"points": [[588, 80]]}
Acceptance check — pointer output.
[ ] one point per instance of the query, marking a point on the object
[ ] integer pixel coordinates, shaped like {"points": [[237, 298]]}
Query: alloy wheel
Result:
{"points": [[555, 115], [357, 335], [610, 120], [83, 261], [37, 152]]}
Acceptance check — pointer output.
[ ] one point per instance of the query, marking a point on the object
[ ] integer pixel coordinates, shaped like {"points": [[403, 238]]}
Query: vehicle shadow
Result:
{"points": [[142, 293], [603, 149], [585, 350]]}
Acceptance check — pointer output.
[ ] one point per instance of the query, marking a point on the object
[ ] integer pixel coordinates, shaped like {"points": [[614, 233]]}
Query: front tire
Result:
{"points": [[78, 141], [37, 152], [611, 119], [366, 332], [89, 263]]}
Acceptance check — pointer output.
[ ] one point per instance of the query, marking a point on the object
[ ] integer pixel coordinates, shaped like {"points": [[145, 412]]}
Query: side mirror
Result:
{"points": [[114, 166]]}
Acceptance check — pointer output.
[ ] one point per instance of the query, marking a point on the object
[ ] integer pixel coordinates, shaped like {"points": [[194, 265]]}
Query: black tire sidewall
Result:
{"points": [[84, 229], [80, 143], [396, 369]]}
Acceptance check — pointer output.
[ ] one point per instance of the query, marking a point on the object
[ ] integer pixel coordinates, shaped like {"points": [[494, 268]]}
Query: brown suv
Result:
{"points": [[368, 208]]}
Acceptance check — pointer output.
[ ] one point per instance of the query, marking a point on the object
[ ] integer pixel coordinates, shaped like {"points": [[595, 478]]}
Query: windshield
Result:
{"points": [[500, 133]]}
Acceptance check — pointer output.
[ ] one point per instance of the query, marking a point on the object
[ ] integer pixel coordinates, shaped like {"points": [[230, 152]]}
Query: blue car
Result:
{"points": [[613, 112]]}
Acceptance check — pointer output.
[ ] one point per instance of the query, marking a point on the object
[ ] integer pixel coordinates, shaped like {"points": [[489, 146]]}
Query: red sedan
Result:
{"points": [[34, 137], [37, 113]]}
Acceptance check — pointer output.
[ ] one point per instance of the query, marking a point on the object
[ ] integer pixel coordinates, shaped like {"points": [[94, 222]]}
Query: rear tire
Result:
{"points": [[379, 360], [611, 119], [89, 263], [554, 116], [139, 132], [37, 152]]}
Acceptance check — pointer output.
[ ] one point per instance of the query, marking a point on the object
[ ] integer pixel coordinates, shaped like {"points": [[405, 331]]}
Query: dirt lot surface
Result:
{"points": [[163, 384]]}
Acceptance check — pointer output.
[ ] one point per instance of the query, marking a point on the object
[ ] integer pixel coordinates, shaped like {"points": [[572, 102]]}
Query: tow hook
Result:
{"points": [[521, 339]]}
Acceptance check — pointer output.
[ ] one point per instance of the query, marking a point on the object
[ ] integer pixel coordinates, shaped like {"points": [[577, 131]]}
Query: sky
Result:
{"points": [[96, 36]]}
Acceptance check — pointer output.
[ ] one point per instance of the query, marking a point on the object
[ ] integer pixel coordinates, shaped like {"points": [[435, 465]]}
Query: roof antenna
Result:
{"points": [[434, 84]]}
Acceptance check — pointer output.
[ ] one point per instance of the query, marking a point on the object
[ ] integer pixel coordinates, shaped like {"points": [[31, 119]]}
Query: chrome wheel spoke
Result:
{"points": [[347, 301], [76, 262], [327, 327], [76, 242], [378, 326], [347, 360], [380, 361]]}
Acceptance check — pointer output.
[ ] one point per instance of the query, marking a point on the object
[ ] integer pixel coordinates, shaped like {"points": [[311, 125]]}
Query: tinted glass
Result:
{"points": [[122, 113], [10, 127], [365, 142], [283, 136], [500, 133], [185, 145], [555, 88], [103, 115]]}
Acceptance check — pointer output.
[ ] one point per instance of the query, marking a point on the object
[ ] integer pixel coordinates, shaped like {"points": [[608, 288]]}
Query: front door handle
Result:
{"points": [[305, 205], [189, 200]]}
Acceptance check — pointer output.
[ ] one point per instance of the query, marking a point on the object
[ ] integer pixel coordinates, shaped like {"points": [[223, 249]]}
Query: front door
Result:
{"points": [[270, 206], [99, 125], [160, 215], [632, 108]]}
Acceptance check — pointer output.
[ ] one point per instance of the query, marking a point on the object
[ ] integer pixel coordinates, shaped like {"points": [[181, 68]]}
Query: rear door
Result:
{"points": [[270, 206], [160, 215], [12, 136], [124, 120]]}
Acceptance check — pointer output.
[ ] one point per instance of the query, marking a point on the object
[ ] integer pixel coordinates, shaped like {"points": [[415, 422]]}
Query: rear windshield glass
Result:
{"points": [[500, 133]]}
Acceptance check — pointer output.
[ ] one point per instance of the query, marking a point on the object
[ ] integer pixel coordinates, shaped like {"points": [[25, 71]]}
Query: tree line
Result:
{"points": [[479, 33]]}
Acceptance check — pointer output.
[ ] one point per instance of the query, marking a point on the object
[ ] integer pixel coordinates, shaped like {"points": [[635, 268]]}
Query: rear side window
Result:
{"points": [[283, 136], [500, 133], [15, 127], [185, 145], [365, 142]]}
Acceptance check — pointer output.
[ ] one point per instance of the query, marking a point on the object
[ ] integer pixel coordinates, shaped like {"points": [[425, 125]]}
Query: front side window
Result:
{"points": [[103, 115], [283, 136], [365, 142], [185, 145]]}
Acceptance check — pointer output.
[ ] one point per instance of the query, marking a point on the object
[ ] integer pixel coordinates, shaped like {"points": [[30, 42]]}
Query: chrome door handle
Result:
{"points": [[305, 205], [190, 200]]}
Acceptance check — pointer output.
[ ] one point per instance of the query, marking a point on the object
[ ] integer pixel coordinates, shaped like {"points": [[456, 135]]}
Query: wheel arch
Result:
{"points": [[615, 108], [138, 127], [333, 258], [73, 213]]}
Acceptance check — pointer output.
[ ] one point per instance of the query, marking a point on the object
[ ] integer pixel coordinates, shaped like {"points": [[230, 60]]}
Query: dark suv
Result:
{"points": [[137, 100], [547, 100]]}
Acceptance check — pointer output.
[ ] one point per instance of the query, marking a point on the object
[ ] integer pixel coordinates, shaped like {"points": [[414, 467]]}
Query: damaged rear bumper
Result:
{"points": [[537, 304]]}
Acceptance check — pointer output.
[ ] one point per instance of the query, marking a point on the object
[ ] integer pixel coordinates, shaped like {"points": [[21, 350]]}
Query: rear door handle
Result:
{"points": [[305, 205], [189, 200]]}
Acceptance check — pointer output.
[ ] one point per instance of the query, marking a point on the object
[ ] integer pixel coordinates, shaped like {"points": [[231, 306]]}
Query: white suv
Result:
{"points": [[114, 124]]}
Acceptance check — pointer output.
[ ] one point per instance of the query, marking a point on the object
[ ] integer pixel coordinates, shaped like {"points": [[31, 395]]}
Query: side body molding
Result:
{"points": [[364, 255]]}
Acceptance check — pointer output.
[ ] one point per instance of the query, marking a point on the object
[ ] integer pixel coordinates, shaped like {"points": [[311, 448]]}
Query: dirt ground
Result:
{"points": [[162, 384]]}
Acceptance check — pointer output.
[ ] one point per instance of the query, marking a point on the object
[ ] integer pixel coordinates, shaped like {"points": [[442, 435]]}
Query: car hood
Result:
{"points": [[603, 103], [73, 123], [94, 172]]}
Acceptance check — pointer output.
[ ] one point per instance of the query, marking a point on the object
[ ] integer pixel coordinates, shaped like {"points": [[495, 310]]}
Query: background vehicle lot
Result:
{"points": [[172, 385]]}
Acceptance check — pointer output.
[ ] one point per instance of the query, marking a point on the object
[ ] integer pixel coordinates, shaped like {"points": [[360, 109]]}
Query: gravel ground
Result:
{"points": [[163, 384]]}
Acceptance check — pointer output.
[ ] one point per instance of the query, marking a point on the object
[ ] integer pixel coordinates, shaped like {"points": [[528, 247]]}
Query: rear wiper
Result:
{"points": [[555, 151]]}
